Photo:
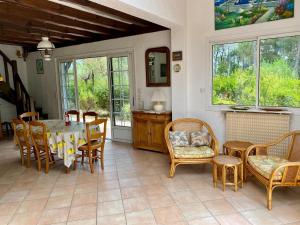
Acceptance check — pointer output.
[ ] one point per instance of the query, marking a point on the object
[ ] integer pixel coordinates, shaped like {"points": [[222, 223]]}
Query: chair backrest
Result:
{"points": [[189, 125], [96, 130], [30, 116], [21, 132], [38, 134], [294, 147], [74, 113], [89, 114]]}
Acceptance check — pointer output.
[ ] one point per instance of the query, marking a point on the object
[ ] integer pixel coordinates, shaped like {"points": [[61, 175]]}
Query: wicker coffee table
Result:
{"points": [[229, 164]]}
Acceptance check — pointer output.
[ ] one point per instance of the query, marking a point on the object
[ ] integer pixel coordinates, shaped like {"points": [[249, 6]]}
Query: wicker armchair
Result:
{"points": [[189, 125], [274, 171]]}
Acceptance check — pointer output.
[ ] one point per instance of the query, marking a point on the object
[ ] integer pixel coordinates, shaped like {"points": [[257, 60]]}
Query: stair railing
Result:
{"points": [[22, 98]]}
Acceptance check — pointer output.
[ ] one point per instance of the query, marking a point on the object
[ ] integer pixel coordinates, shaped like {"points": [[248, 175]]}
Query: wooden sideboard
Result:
{"points": [[148, 130]]}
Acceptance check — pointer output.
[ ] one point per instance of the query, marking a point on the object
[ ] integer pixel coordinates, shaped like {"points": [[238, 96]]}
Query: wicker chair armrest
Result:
{"points": [[215, 144], [167, 140], [285, 166], [259, 150]]}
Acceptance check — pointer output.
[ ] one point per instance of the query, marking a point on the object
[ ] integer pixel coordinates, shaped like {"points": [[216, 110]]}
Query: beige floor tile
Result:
{"points": [[59, 191], [135, 204], [108, 185], [184, 197], [53, 216], [132, 192], [157, 189], [32, 205], [59, 202], [219, 207], [83, 212], [208, 194], [84, 199], [204, 221], [159, 201], [140, 218], [110, 208], [25, 218], [16, 196], [38, 194], [111, 195], [168, 215], [83, 222], [232, 219], [112, 220], [260, 217], [7, 209], [129, 182], [4, 220], [149, 180], [85, 188], [193, 211], [242, 203], [287, 213]]}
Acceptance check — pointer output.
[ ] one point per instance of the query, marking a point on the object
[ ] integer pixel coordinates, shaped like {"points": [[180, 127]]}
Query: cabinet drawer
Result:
{"points": [[151, 116]]}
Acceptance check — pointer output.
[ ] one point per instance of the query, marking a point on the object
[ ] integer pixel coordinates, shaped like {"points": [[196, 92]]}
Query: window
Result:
{"points": [[237, 72]]}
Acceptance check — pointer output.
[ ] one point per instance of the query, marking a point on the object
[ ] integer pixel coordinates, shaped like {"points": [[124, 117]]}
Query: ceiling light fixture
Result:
{"points": [[45, 46]]}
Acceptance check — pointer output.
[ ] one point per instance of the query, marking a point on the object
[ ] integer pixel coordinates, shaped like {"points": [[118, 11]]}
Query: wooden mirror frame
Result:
{"points": [[161, 50]]}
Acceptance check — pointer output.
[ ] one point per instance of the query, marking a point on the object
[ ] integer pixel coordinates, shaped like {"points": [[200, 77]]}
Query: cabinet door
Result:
{"points": [[141, 132], [157, 134]]}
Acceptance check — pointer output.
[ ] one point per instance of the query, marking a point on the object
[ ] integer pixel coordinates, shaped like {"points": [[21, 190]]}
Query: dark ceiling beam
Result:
{"points": [[26, 12], [36, 35], [20, 41], [111, 12], [72, 13], [43, 26], [30, 47]]}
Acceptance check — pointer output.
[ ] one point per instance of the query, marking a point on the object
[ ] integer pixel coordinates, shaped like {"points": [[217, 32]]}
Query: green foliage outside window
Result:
{"points": [[234, 73]]}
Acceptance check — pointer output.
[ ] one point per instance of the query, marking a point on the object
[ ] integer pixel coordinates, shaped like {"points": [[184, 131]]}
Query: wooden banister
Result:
{"points": [[22, 98]]}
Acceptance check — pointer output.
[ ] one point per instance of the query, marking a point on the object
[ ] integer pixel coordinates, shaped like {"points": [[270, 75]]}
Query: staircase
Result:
{"points": [[19, 95]]}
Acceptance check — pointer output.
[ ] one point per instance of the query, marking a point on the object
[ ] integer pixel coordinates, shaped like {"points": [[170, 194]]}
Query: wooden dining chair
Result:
{"points": [[89, 114], [95, 137], [23, 141], [30, 116], [38, 133], [74, 113]]}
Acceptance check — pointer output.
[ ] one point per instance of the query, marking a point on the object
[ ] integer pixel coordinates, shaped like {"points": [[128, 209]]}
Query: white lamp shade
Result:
{"points": [[45, 44], [158, 96]]}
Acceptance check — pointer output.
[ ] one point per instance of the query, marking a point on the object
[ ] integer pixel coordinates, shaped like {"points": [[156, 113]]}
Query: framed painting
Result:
{"points": [[235, 13], [39, 66]]}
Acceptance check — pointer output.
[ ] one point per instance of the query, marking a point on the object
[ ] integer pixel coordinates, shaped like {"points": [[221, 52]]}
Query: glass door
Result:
{"points": [[68, 85], [120, 80]]}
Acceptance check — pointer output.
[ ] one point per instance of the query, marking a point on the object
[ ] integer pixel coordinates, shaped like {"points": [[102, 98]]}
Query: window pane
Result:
{"points": [[234, 76], [280, 72]]}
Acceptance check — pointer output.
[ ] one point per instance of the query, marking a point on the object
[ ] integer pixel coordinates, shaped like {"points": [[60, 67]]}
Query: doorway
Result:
{"points": [[103, 85]]}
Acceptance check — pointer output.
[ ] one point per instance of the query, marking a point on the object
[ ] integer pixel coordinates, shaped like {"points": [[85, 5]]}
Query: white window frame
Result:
{"points": [[211, 42]]}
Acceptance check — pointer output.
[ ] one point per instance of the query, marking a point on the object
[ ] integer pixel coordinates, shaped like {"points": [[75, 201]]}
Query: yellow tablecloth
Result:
{"points": [[65, 140]]}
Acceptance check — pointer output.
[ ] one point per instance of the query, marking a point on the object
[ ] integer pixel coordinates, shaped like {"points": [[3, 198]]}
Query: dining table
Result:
{"points": [[64, 140]]}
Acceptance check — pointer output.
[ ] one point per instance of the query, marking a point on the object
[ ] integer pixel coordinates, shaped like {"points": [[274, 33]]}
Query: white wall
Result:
{"points": [[200, 30], [7, 110], [44, 87]]}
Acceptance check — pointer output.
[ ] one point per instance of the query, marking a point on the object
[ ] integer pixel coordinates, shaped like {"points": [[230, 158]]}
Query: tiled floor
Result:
{"points": [[133, 189]]}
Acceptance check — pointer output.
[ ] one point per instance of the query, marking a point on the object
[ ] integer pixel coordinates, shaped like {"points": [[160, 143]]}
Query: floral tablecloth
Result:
{"points": [[65, 140]]}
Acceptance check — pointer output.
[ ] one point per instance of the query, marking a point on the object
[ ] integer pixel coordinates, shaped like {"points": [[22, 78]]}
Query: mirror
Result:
{"points": [[158, 67]]}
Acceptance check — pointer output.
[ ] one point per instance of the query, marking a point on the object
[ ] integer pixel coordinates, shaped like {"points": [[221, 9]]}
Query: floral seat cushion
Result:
{"points": [[265, 164], [190, 152]]}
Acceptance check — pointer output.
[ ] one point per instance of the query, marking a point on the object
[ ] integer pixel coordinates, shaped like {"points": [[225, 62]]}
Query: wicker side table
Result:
{"points": [[239, 147], [228, 163]]}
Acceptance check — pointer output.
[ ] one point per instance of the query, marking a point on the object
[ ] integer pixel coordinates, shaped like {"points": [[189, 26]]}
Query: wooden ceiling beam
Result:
{"points": [[35, 34], [72, 13], [111, 12], [34, 14], [43, 26]]}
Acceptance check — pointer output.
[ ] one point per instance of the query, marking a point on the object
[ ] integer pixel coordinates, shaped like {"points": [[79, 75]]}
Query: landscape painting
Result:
{"points": [[235, 13]]}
